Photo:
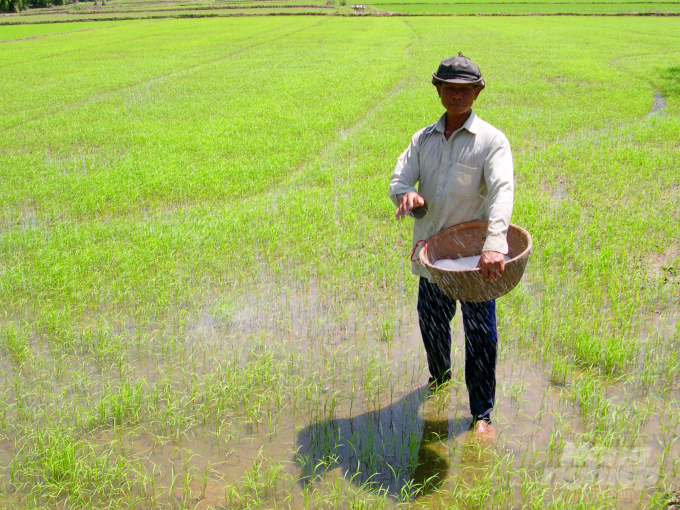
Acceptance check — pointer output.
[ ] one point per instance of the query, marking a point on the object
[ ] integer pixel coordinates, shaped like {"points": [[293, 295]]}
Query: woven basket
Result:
{"points": [[466, 240]]}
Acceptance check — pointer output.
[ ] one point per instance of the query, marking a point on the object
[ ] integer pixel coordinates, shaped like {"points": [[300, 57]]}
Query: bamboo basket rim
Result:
{"points": [[425, 260]]}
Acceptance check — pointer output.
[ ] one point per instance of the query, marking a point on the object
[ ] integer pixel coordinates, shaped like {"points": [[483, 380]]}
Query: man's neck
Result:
{"points": [[455, 122]]}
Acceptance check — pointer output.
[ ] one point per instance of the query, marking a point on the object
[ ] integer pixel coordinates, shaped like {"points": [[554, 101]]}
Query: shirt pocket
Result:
{"points": [[465, 182]]}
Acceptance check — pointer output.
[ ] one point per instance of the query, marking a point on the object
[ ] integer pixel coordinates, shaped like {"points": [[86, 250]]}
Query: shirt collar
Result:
{"points": [[471, 124]]}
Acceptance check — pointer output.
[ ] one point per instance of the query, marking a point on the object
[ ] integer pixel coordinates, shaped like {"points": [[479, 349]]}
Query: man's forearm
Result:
{"points": [[498, 173]]}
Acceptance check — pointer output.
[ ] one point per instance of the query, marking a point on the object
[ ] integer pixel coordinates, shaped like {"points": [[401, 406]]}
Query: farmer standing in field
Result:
{"points": [[463, 167]]}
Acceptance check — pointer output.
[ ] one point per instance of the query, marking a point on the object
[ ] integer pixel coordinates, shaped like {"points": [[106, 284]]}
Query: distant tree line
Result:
{"points": [[20, 5]]}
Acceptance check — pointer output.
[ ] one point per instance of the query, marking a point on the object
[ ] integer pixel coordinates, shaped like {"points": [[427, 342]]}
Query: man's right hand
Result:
{"points": [[408, 201]]}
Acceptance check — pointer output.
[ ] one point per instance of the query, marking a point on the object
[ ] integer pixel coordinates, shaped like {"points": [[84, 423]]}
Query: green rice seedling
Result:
{"points": [[231, 263], [556, 445], [58, 465], [410, 491], [256, 485], [464, 495], [560, 371], [125, 403], [17, 345], [386, 332]]}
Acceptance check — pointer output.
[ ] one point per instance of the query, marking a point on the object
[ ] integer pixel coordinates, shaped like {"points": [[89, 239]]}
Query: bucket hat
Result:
{"points": [[458, 69]]}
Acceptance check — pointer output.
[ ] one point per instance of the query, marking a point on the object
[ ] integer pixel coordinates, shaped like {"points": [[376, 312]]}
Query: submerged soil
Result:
{"points": [[391, 443], [365, 422]]}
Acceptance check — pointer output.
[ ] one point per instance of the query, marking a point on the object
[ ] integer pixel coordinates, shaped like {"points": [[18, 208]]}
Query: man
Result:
{"points": [[463, 167]]}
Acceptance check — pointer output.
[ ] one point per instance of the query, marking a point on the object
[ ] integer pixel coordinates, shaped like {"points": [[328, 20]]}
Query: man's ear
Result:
{"points": [[479, 89], [439, 89]]}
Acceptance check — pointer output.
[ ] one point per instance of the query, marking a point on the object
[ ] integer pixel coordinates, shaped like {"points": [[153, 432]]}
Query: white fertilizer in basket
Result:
{"points": [[460, 264]]}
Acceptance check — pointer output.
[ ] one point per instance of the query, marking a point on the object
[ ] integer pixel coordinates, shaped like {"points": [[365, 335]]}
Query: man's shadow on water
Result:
{"points": [[395, 450]]}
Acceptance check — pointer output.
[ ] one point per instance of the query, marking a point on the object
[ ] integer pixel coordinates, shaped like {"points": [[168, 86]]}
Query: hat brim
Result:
{"points": [[479, 83]]}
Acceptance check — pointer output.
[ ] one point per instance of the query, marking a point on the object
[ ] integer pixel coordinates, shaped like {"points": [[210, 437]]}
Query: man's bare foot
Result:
{"points": [[484, 432]]}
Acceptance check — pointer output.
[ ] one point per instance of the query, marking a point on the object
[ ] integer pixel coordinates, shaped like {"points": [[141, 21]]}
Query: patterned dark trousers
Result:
{"points": [[435, 313]]}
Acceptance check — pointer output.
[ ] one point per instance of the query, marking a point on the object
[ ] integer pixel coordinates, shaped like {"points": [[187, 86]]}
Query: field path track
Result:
{"points": [[159, 78], [347, 131], [58, 33], [657, 104]]}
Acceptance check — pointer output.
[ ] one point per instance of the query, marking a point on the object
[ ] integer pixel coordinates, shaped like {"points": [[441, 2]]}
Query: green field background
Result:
{"points": [[528, 8], [155, 170]]}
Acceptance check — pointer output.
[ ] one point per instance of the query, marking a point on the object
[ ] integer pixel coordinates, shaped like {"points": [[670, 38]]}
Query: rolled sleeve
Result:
{"points": [[406, 172], [498, 174]]}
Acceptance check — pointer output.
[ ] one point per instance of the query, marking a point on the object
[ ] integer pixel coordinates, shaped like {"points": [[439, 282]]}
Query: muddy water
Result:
{"points": [[406, 438], [659, 105], [385, 433]]}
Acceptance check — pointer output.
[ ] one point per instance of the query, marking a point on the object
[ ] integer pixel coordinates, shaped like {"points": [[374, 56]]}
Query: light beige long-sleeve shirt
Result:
{"points": [[467, 177]]}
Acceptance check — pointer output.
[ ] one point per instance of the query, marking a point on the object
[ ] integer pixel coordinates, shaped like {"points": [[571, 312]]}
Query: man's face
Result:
{"points": [[457, 98]]}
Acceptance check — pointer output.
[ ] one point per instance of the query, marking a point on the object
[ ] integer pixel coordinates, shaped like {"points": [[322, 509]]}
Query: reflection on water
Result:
{"points": [[338, 412], [400, 450]]}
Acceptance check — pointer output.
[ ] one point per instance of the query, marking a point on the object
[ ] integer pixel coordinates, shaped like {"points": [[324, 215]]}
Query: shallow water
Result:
{"points": [[659, 105], [366, 422], [413, 437]]}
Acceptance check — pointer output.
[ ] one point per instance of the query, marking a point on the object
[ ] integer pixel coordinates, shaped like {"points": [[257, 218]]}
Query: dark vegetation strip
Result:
{"points": [[16, 6], [143, 5], [382, 14], [225, 7], [174, 16]]}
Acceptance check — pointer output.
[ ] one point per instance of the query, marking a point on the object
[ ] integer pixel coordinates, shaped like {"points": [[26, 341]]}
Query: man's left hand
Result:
{"points": [[492, 264]]}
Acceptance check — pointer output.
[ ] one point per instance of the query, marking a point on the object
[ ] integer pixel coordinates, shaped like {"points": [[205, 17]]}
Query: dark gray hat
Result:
{"points": [[458, 69]]}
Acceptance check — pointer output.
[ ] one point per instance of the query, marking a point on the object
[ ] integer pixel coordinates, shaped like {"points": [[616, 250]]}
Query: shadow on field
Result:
{"points": [[396, 450]]}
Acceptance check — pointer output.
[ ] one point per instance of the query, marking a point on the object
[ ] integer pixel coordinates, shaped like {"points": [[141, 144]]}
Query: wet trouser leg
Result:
{"points": [[481, 347], [435, 312]]}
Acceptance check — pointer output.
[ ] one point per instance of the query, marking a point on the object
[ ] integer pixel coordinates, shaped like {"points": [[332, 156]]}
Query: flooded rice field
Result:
{"points": [[206, 300], [296, 398]]}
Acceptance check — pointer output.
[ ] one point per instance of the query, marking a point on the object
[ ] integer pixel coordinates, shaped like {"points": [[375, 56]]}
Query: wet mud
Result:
{"points": [[369, 424], [659, 105]]}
